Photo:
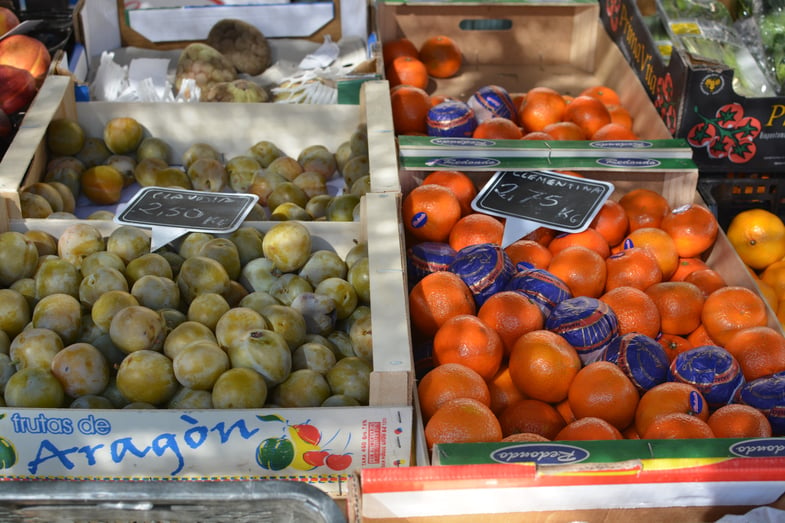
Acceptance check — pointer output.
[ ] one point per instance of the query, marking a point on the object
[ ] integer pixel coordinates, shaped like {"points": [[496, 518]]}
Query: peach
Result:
{"points": [[17, 89], [28, 53], [8, 20]]}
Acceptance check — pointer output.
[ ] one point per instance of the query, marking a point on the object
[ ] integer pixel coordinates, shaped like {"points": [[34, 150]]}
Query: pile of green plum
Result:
{"points": [[247, 319]]}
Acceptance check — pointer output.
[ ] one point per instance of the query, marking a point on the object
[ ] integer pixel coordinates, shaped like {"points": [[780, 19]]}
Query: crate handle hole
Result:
{"points": [[486, 24]]}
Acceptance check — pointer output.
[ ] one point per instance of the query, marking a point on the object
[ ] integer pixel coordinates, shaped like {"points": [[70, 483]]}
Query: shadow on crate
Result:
{"points": [[728, 194]]}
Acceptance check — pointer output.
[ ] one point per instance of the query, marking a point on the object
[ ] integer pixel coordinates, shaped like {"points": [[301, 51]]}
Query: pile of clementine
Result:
{"points": [[541, 113], [758, 235], [497, 373]]}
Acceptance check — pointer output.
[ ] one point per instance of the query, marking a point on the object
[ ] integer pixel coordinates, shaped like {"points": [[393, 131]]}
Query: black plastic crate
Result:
{"points": [[728, 194]]}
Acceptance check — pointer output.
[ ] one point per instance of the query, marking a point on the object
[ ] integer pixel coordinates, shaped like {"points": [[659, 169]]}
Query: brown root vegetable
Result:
{"points": [[243, 44], [241, 91], [205, 65]]}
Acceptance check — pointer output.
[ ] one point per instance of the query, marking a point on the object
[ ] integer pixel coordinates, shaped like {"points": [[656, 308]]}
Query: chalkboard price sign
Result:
{"points": [[192, 210], [550, 199]]}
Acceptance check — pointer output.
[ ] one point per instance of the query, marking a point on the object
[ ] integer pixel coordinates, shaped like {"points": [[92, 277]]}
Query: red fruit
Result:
{"points": [[28, 53], [17, 89], [6, 126], [338, 461], [315, 458], [308, 433], [8, 20]]}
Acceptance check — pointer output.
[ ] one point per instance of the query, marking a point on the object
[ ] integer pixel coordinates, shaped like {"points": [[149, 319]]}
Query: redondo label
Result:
{"points": [[540, 453]]}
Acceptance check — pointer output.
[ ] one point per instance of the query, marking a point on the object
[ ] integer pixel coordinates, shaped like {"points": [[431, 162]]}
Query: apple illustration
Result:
{"points": [[338, 461], [8, 20], [315, 457]]}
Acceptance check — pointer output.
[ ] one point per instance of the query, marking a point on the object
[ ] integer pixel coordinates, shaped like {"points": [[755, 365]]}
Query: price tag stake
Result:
{"points": [[172, 212], [531, 199]]}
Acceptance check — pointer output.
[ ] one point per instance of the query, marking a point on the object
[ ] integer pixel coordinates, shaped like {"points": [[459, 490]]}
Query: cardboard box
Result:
{"points": [[109, 24], [622, 492], [596, 481], [171, 445], [131, 32], [166, 444], [231, 128], [521, 45], [693, 97]]}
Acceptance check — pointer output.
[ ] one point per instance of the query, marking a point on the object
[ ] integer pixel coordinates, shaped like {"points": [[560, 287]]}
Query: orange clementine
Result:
{"points": [[614, 131], [635, 310], [621, 116], [758, 236], [707, 280], [644, 208], [524, 436], [429, 212], [700, 337], [563, 407], [474, 229], [633, 267], [410, 106], [450, 381], [459, 183], [437, 98], [542, 235], [680, 305], [730, 309], [503, 391], [467, 340], [588, 428], [693, 227], [588, 113], [392, 49], [438, 297], [678, 426], [659, 244], [590, 238], [543, 364], [668, 398], [759, 350], [462, 420], [686, 266], [406, 70], [674, 344], [542, 106], [581, 268], [774, 276], [602, 390], [511, 314], [611, 222], [537, 135], [529, 252], [441, 55], [739, 421], [768, 293], [498, 128], [565, 131], [603, 93], [530, 416]]}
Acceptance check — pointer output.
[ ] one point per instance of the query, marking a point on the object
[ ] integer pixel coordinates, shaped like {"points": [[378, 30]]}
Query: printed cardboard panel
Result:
{"points": [[621, 492], [320, 446], [726, 131]]}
